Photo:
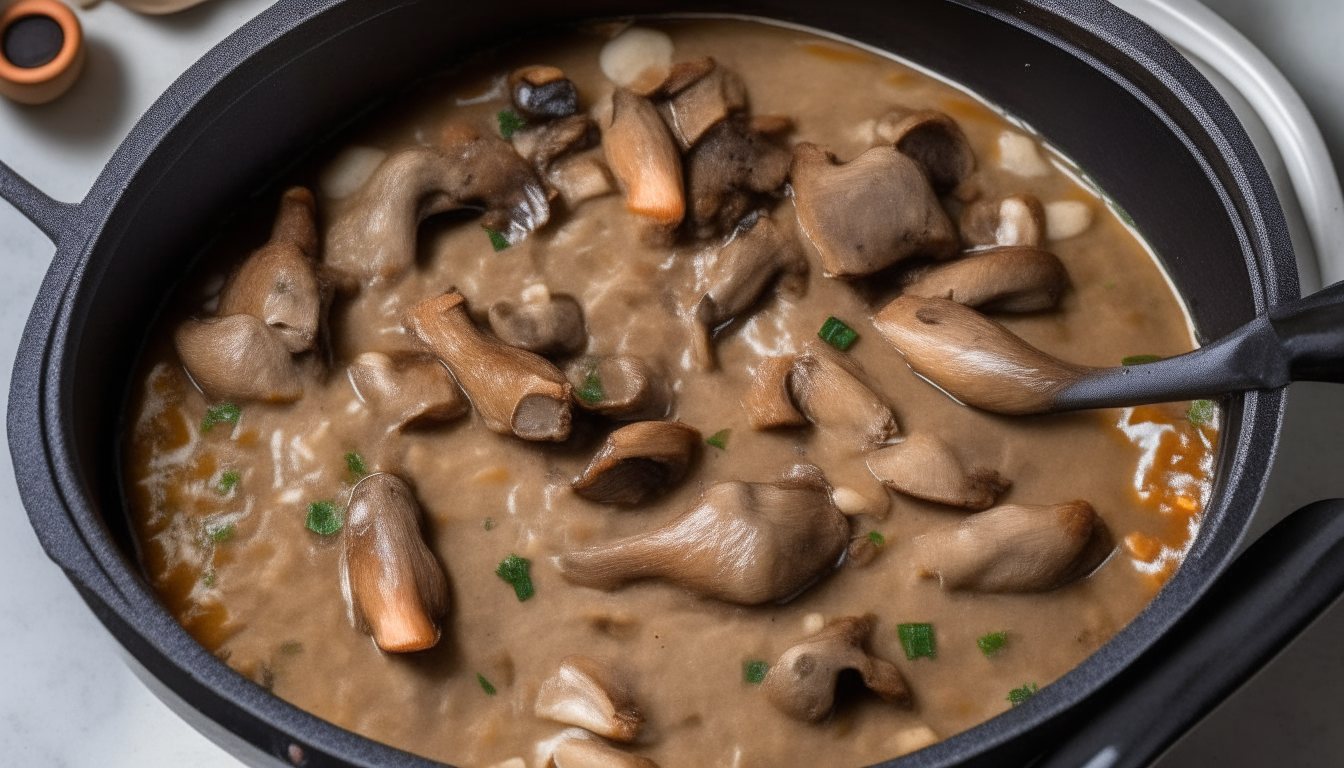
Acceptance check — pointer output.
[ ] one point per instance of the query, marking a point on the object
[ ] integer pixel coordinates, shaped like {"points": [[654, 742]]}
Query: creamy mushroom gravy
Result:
{"points": [[220, 513]]}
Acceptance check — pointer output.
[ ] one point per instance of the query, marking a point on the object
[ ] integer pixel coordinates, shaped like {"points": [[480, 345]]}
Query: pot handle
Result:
{"points": [[1268, 595], [50, 216]]}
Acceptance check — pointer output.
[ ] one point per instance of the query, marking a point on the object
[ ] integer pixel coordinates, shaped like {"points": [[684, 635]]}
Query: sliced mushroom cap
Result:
{"points": [[591, 753], [580, 177], [1013, 220], [925, 467], [409, 390], [620, 387], [591, 694], [549, 324], [869, 213], [279, 283], [730, 171], [238, 357], [971, 357], [932, 139], [1016, 548], [645, 161], [1008, 279], [758, 255], [818, 386], [638, 461], [802, 683], [700, 94], [396, 587], [541, 92], [559, 138], [745, 543], [515, 391], [375, 236]]}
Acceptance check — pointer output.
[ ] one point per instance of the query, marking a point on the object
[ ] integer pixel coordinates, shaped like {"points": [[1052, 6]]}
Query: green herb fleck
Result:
{"points": [[720, 439], [877, 538], [227, 481], [1140, 359], [497, 239], [837, 334], [1202, 412], [917, 640], [323, 518], [208, 578], [509, 123], [291, 647], [514, 570], [591, 392], [485, 685], [488, 523], [754, 671], [992, 643], [1023, 695], [227, 413], [1108, 284], [355, 463], [219, 532]]}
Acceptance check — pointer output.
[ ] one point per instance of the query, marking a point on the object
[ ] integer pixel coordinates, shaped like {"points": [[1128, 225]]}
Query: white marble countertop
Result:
{"points": [[66, 697]]}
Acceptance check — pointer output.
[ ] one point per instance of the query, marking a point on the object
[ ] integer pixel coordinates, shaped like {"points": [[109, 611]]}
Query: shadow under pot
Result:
{"points": [[41, 51]]}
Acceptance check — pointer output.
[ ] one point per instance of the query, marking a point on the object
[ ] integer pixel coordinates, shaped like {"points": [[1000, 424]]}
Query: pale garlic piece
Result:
{"points": [[1067, 218], [1019, 154], [639, 59]]}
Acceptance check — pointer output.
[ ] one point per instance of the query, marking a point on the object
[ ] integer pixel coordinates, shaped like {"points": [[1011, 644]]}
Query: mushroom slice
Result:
{"points": [[238, 357], [279, 283], [769, 401], [744, 543], [591, 694], [819, 387], [397, 590], [730, 171], [638, 461], [591, 753], [645, 161], [933, 140], [1013, 220], [739, 274], [545, 323], [515, 391], [699, 95], [1015, 548], [620, 387], [802, 683], [869, 213], [375, 236], [580, 177], [1007, 279], [541, 92], [971, 357], [411, 390], [925, 467], [562, 137]]}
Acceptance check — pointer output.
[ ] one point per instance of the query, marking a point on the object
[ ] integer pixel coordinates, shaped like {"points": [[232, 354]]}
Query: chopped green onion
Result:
{"points": [[355, 463], [227, 413], [509, 122], [877, 538], [514, 570], [291, 648], [488, 523], [485, 685], [837, 334], [591, 392], [227, 481], [1202, 412], [992, 643], [1108, 284], [219, 532], [208, 578], [1023, 695], [754, 671], [720, 439], [1140, 359], [497, 239], [323, 518], [917, 640]]}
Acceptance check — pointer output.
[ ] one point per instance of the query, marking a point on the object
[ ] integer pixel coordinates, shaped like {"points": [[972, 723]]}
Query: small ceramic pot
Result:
{"points": [[41, 51]]}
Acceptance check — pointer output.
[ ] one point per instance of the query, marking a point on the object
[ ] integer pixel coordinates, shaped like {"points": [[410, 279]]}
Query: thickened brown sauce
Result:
{"points": [[239, 569]]}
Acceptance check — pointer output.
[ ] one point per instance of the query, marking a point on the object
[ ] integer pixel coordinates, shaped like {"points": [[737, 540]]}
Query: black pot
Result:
{"points": [[1097, 83]]}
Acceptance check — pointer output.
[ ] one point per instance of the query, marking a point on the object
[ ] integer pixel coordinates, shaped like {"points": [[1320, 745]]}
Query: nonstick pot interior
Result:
{"points": [[1095, 82]]}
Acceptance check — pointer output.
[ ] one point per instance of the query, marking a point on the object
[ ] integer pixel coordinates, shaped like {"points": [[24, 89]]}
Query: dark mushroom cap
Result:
{"points": [[801, 684], [541, 92], [925, 467], [935, 141], [638, 461], [732, 170], [1007, 279], [553, 326], [238, 357]]}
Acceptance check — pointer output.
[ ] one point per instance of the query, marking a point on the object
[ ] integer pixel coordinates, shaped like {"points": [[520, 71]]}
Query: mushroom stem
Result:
{"points": [[1013, 220], [802, 683], [818, 386], [621, 387], [638, 461], [412, 390], [645, 161]]}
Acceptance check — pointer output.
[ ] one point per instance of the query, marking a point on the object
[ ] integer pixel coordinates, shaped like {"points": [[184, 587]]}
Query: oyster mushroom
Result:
{"points": [[869, 213], [758, 255], [638, 461], [541, 93], [925, 467], [593, 695], [238, 357], [409, 390], [698, 95], [620, 387], [824, 389], [515, 391], [580, 750], [397, 590], [1013, 220], [802, 683], [1015, 548], [932, 139], [973, 358], [1006, 279], [744, 543], [375, 235], [769, 401], [645, 161], [545, 323], [731, 170], [556, 139], [279, 282]]}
